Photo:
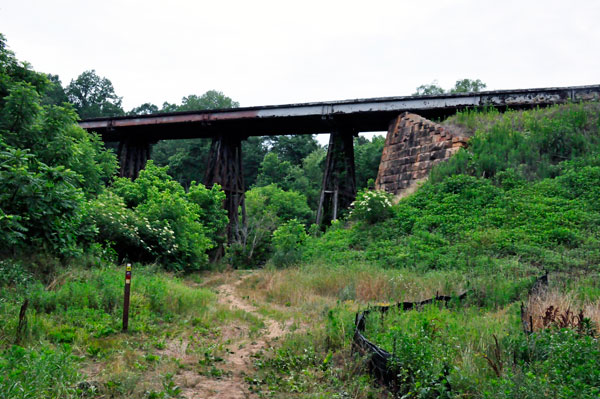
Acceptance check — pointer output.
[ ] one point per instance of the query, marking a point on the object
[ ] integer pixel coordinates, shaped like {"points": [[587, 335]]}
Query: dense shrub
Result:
{"points": [[40, 205], [530, 142], [154, 219], [371, 206], [288, 240], [267, 208], [48, 166], [551, 364]]}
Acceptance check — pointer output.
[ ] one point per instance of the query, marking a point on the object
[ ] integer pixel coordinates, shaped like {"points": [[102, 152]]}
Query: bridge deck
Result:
{"points": [[363, 115]]}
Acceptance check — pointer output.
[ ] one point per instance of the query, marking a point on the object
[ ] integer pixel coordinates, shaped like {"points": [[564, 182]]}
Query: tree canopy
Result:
{"points": [[93, 96], [461, 86]]}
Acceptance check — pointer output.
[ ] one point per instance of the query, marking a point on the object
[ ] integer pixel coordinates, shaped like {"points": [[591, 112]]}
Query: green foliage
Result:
{"points": [[538, 211], [461, 86], [468, 86], [77, 318], [93, 96], [303, 366], [40, 205], [523, 196], [306, 178], [54, 93], [552, 363], [13, 70], [293, 149], [274, 171], [530, 142], [90, 302], [471, 352], [367, 155], [161, 222], [48, 165], [371, 206], [144, 109], [186, 159], [288, 240], [282, 205], [42, 373], [267, 208], [118, 226], [13, 274], [430, 89], [212, 99]]}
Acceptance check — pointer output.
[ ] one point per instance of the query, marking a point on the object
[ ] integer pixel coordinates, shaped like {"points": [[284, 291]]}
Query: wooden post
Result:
{"points": [[126, 297], [22, 326], [225, 169], [339, 181]]}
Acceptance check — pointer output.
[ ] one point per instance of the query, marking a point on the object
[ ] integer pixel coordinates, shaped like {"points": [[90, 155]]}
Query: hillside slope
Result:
{"points": [[521, 200]]}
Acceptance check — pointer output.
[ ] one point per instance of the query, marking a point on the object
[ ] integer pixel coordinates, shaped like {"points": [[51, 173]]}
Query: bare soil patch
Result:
{"points": [[241, 348]]}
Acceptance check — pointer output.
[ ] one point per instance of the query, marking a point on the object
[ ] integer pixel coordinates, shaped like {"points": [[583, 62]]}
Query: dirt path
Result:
{"points": [[238, 361]]}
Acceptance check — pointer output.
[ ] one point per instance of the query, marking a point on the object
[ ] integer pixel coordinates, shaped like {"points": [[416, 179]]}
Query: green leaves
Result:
{"points": [[39, 203], [287, 242], [153, 219], [93, 96]]}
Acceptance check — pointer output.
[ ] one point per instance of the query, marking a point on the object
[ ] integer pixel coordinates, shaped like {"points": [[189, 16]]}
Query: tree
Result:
{"points": [[13, 70], [254, 150], [49, 166], [431, 89], [144, 109], [313, 166], [293, 148], [93, 96], [173, 226], [273, 171], [212, 99], [367, 156], [468, 86], [461, 86], [268, 208], [168, 107], [186, 159], [55, 93]]}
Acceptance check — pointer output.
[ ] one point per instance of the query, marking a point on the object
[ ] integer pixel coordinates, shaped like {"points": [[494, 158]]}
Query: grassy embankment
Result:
{"points": [[523, 199]]}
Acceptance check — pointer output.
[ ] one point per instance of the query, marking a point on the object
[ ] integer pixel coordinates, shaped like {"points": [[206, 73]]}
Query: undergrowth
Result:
{"points": [[73, 325]]}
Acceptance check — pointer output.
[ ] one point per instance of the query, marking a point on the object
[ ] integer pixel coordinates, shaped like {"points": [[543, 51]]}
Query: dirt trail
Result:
{"points": [[238, 362]]}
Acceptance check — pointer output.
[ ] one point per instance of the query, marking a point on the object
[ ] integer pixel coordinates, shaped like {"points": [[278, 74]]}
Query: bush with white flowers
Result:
{"points": [[371, 206]]}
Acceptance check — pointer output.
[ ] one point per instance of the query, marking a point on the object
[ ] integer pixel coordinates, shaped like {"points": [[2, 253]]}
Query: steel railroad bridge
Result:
{"points": [[342, 119]]}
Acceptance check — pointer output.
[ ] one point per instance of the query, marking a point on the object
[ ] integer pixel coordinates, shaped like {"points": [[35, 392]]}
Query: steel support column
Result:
{"points": [[225, 169], [339, 180], [133, 155]]}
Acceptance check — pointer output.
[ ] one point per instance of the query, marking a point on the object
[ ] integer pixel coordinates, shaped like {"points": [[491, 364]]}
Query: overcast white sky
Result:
{"points": [[275, 52]]}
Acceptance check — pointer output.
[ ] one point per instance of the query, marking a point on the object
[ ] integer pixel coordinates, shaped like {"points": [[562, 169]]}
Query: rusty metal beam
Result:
{"points": [[364, 115]]}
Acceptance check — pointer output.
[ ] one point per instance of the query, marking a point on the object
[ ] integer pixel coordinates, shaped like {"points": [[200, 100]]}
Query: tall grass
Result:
{"points": [[37, 373], [78, 316]]}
